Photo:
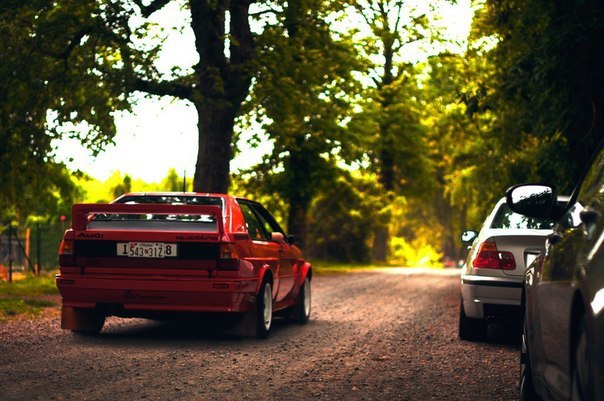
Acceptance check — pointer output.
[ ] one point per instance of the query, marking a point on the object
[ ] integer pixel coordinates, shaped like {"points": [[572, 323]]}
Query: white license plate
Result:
{"points": [[146, 249]]}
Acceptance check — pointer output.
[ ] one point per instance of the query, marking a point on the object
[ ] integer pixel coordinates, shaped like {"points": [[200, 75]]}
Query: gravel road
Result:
{"points": [[384, 335]]}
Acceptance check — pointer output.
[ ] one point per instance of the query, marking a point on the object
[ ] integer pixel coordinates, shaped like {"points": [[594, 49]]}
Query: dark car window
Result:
{"points": [[592, 184], [202, 222], [507, 219], [255, 228], [267, 219], [172, 200]]}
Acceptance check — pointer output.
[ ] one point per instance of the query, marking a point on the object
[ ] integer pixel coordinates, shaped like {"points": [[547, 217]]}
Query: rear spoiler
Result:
{"points": [[81, 212]]}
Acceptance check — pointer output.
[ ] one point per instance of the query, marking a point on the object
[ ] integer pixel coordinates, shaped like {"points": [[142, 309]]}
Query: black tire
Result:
{"points": [[302, 307], [94, 323], [581, 370], [527, 387], [471, 329], [264, 310]]}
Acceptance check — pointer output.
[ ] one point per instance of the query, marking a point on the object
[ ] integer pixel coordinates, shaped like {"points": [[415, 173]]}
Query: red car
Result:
{"points": [[159, 254]]}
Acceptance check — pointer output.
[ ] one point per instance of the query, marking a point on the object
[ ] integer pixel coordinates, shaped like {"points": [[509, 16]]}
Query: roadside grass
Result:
{"points": [[10, 307], [323, 268], [22, 296]]}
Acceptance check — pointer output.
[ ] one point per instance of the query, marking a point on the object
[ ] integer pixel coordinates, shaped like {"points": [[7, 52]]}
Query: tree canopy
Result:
{"points": [[57, 79], [376, 124]]}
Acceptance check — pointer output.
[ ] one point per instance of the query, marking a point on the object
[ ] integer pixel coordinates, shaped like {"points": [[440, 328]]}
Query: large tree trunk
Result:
{"points": [[222, 85], [446, 216], [297, 165], [297, 221], [381, 233], [386, 162], [381, 239], [299, 194], [214, 150]]}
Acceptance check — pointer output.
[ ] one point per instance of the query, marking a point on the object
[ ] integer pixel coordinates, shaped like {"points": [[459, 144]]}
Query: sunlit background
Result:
{"points": [[161, 133]]}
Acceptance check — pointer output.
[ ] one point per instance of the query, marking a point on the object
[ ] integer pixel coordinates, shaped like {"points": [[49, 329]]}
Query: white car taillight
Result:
{"points": [[488, 257]]}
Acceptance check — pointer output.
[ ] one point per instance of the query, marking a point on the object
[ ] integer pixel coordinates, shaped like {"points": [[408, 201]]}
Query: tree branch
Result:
{"points": [[151, 8], [164, 88], [399, 7], [75, 41], [361, 10], [265, 11]]}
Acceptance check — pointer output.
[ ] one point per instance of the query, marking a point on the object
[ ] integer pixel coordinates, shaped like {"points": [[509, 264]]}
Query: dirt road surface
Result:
{"points": [[385, 335]]}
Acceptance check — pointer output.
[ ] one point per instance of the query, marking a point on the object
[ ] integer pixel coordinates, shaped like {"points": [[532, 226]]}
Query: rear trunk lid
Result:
{"points": [[159, 238], [524, 245]]}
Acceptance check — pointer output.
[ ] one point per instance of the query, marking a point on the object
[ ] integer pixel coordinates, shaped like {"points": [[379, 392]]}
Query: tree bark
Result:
{"points": [[214, 149], [222, 85], [297, 221], [386, 158], [381, 238], [298, 163], [299, 194], [217, 87]]}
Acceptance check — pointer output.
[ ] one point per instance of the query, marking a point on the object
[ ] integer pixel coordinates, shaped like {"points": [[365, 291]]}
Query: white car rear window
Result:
{"points": [[506, 219]]}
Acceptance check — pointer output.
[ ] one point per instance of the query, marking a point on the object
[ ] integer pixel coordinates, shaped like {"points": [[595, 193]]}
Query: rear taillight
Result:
{"points": [[488, 257], [507, 261], [229, 257], [66, 253]]}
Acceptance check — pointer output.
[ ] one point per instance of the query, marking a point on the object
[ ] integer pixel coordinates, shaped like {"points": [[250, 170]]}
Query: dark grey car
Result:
{"points": [[562, 356]]}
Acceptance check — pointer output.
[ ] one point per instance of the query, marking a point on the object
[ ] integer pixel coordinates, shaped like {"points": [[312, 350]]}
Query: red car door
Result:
{"points": [[286, 273], [263, 247], [288, 254]]}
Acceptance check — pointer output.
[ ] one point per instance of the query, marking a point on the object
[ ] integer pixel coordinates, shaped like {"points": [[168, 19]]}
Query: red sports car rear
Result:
{"points": [[160, 254]]}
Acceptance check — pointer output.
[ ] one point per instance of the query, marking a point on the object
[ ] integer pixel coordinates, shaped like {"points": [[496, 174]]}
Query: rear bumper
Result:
{"points": [[480, 291], [157, 294]]}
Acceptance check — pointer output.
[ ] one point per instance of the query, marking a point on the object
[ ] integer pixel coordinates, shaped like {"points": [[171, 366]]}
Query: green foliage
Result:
{"points": [[10, 307], [389, 123], [302, 103], [464, 150], [548, 86], [123, 187], [95, 191], [58, 67], [175, 183], [22, 296], [514, 108], [29, 286], [248, 186], [342, 218], [435, 144], [416, 234], [419, 252], [392, 138]]}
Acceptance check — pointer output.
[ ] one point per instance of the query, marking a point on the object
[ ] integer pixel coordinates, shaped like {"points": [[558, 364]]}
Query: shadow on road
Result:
{"points": [[506, 335], [203, 330]]}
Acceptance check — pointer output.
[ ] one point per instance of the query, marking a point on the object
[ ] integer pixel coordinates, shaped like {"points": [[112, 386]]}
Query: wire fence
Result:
{"points": [[29, 249]]}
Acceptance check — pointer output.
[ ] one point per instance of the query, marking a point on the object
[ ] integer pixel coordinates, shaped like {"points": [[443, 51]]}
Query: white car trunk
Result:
{"points": [[525, 247]]}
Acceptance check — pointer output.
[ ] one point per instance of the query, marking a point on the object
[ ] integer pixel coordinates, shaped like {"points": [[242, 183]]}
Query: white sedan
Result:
{"points": [[491, 280]]}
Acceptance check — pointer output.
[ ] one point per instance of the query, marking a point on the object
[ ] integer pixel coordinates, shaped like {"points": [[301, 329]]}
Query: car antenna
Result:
{"points": [[184, 181]]}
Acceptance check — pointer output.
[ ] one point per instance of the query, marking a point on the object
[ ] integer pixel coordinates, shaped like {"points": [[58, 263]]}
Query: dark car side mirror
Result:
{"points": [[468, 236], [281, 238], [533, 200]]}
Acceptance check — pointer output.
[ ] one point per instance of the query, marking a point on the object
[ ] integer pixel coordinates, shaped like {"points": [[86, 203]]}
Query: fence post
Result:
{"points": [[38, 257], [10, 252]]}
